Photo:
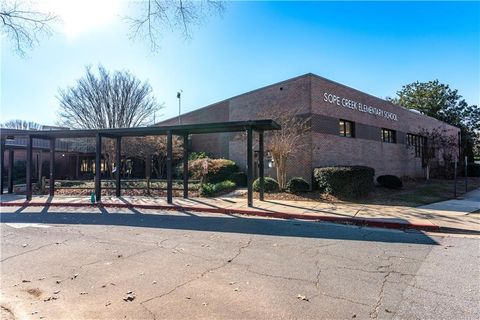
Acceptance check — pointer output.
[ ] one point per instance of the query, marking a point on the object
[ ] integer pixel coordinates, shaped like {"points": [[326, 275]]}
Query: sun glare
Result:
{"points": [[79, 16]]}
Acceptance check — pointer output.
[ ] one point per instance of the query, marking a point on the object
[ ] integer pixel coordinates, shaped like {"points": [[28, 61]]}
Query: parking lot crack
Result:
{"points": [[201, 275], [154, 317], [278, 277], [36, 249], [342, 298], [376, 308]]}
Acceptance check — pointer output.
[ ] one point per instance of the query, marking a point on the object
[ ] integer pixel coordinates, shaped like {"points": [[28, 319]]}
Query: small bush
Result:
{"points": [[240, 179], [270, 185], [345, 181], [390, 181], [214, 189], [197, 155], [297, 185], [212, 170], [473, 170]]}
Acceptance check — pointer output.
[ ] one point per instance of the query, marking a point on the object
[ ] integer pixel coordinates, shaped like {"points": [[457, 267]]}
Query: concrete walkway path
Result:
{"points": [[452, 215]]}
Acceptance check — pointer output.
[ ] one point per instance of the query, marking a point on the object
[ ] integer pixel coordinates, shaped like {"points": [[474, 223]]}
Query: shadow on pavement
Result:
{"points": [[233, 224]]}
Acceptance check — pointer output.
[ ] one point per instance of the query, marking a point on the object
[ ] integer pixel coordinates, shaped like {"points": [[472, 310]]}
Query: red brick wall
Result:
{"points": [[366, 149], [324, 146]]}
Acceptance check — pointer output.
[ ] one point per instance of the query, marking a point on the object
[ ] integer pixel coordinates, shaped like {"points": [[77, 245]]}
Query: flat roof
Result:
{"points": [[216, 127]]}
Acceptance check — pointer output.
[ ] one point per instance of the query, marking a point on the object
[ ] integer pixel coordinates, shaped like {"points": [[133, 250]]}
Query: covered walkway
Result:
{"points": [[259, 126]]}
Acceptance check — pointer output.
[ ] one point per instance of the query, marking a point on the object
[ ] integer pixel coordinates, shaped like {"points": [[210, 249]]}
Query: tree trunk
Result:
{"points": [[281, 171], [427, 168], [148, 163]]}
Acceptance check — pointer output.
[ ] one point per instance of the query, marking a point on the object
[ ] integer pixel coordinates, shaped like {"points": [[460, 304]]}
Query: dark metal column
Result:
{"points": [[77, 166], [2, 163], [185, 166], [249, 167], [118, 166], [260, 164], [2, 154], [28, 170], [98, 156], [51, 180], [169, 167], [11, 158]]}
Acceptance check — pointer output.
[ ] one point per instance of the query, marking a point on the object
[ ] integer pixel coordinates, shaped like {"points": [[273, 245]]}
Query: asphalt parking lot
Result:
{"points": [[177, 265]]}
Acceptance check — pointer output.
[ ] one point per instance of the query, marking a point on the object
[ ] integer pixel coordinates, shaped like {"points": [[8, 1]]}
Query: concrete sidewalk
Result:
{"points": [[453, 215]]}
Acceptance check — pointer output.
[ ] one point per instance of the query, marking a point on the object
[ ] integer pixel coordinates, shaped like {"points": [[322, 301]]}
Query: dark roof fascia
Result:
{"points": [[217, 127]]}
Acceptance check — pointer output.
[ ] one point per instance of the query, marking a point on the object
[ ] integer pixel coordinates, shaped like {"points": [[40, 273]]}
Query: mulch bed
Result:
{"points": [[125, 192], [308, 196]]}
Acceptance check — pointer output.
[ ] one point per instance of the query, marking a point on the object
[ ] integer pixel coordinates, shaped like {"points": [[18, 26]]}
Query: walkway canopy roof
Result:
{"points": [[181, 129], [118, 134]]}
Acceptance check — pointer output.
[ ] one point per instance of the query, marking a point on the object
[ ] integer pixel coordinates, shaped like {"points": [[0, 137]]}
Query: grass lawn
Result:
{"points": [[421, 192], [413, 193]]}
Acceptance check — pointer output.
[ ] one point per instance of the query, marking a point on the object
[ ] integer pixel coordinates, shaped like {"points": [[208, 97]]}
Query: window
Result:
{"points": [[85, 165], [347, 128], [416, 142], [389, 136]]}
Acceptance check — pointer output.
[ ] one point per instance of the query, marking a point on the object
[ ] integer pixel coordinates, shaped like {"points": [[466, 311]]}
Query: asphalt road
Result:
{"points": [[185, 265]]}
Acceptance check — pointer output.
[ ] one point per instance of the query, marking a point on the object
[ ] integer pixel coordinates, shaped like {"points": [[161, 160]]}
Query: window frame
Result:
{"points": [[417, 142], [344, 128], [388, 135]]}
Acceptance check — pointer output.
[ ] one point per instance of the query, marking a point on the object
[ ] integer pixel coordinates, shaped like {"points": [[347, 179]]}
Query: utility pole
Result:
{"points": [[179, 97]]}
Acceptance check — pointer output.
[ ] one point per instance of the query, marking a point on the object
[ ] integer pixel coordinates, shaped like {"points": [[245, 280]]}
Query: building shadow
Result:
{"points": [[227, 224]]}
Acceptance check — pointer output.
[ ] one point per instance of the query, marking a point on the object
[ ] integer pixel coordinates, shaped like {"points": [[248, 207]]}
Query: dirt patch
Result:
{"points": [[36, 292]]}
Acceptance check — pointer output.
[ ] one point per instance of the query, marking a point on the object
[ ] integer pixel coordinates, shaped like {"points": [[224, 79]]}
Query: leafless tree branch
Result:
{"points": [[24, 27], [21, 124], [175, 15]]}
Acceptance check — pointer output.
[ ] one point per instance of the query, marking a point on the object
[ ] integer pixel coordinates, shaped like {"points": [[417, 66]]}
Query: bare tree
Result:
{"points": [[154, 147], [23, 25], [284, 143], [154, 16], [117, 100], [438, 145], [149, 149], [21, 124]]}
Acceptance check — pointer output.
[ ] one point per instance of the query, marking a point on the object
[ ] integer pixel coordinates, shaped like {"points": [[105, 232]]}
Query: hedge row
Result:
{"points": [[345, 181], [215, 189], [390, 182]]}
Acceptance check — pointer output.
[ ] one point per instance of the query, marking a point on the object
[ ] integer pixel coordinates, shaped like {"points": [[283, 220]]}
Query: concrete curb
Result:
{"points": [[368, 222]]}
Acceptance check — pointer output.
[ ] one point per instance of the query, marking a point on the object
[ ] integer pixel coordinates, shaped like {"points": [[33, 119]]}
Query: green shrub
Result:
{"points": [[345, 181], [197, 155], [213, 189], [473, 170], [270, 185], [297, 185], [240, 179], [390, 182], [217, 170]]}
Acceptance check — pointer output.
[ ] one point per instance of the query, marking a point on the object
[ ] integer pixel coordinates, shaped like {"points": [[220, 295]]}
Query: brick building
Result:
{"points": [[348, 127]]}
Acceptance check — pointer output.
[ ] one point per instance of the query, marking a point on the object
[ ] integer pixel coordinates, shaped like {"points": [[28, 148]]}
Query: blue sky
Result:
{"points": [[375, 47]]}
